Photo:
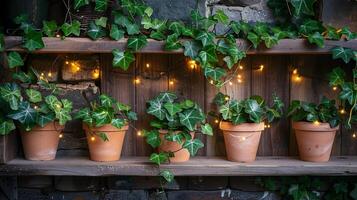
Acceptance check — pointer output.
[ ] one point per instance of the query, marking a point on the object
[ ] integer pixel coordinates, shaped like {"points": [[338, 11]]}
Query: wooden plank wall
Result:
{"points": [[275, 78]]}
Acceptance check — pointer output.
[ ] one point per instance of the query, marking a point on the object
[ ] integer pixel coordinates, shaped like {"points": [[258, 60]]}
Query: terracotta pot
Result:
{"points": [[241, 140], [314, 141], [179, 156], [104, 151], [41, 143]]}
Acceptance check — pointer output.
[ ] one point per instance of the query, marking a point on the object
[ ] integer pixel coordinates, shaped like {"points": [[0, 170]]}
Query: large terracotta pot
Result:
{"points": [[314, 141], [101, 150], [241, 140], [41, 143], [179, 156]]}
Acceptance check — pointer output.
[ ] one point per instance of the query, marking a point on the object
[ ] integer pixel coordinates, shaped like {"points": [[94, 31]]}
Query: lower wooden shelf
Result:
{"points": [[197, 166]]}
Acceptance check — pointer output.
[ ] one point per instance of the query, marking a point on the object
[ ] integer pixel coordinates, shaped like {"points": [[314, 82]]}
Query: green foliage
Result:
{"points": [[14, 59], [96, 31], [102, 21], [73, 28], [325, 112], [6, 126], [250, 110], [33, 40], [345, 54], [106, 110], [116, 33], [79, 3], [101, 5], [49, 28], [122, 59], [2, 42], [136, 43]]}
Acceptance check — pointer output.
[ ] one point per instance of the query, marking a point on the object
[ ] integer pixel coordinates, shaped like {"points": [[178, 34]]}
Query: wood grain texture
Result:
{"points": [[86, 45], [198, 166]]}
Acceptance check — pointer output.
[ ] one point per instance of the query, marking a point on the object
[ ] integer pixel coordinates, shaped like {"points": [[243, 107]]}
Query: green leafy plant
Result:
{"points": [[325, 112], [250, 110], [180, 119], [29, 108], [105, 111]]}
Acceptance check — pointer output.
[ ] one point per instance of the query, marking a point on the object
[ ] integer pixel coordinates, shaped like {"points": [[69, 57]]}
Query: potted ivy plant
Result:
{"points": [[105, 123], [40, 119], [174, 128], [242, 122], [315, 128]]}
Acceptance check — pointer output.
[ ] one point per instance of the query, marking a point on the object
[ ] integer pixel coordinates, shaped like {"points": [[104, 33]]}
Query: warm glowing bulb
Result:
{"points": [[211, 82], [241, 67], [192, 64], [230, 83], [334, 88], [67, 62], [60, 136], [35, 107], [354, 135], [58, 35], [137, 81], [240, 80], [58, 106], [268, 125], [316, 122], [171, 82], [216, 121], [226, 98], [96, 74], [295, 71], [139, 133], [78, 68], [298, 78], [265, 126], [261, 67], [243, 138], [342, 111], [92, 138], [239, 76], [42, 74], [147, 65], [49, 74]]}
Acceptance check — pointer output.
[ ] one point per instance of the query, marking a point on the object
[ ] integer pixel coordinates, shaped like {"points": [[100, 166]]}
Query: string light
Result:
{"points": [[266, 125], [216, 121], [96, 73], [192, 64], [67, 62], [295, 71], [147, 65], [92, 138], [230, 83], [297, 78], [334, 88], [243, 138], [226, 98], [60, 135], [354, 135], [240, 81], [342, 111], [239, 76], [261, 67], [139, 133], [35, 107], [49, 74], [75, 67], [137, 81], [241, 67], [171, 82], [211, 82], [316, 122], [58, 35]]}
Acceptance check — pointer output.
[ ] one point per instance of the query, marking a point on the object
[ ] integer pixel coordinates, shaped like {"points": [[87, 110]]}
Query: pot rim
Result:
{"points": [[312, 127], [110, 128], [243, 127], [51, 126]]}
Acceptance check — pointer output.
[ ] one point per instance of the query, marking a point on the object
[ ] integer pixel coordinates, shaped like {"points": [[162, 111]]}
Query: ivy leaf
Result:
{"points": [[85, 115], [79, 3], [25, 115], [118, 123], [49, 28], [221, 17], [6, 126], [260, 28], [172, 42], [206, 23], [33, 40], [157, 35], [189, 118], [153, 138], [191, 49], [101, 5], [196, 16], [73, 28], [317, 39], [42, 119], [166, 97], [172, 108], [347, 93], [193, 146], [132, 29], [208, 55], [167, 175], [214, 73], [14, 59], [353, 193], [310, 26], [345, 54], [176, 27], [156, 109], [136, 43], [205, 37], [102, 21], [254, 39], [33, 95], [254, 110], [207, 129], [332, 33], [116, 33], [102, 116], [148, 11], [94, 31], [10, 92], [106, 100], [229, 61], [175, 137], [345, 31], [2, 42], [303, 7], [159, 158], [122, 59], [269, 40]]}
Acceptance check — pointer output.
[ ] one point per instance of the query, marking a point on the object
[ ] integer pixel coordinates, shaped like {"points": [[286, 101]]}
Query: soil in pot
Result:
{"points": [[180, 155], [314, 141], [104, 151], [41, 143], [241, 140]]}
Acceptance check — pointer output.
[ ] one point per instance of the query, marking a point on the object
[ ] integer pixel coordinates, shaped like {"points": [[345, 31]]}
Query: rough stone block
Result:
{"points": [[35, 181], [145, 183], [207, 183], [221, 194], [239, 2], [126, 195], [258, 13], [245, 183], [72, 183], [175, 10]]}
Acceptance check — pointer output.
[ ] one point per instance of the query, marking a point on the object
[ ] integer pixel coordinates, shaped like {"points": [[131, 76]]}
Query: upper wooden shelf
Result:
{"points": [[197, 166], [86, 45]]}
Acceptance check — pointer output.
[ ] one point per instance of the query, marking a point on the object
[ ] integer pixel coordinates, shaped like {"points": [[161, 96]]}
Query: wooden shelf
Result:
{"points": [[198, 166], [86, 45]]}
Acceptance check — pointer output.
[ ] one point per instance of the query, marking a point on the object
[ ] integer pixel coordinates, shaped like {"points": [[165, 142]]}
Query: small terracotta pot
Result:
{"points": [[241, 140], [179, 156], [314, 141], [41, 143], [104, 151]]}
